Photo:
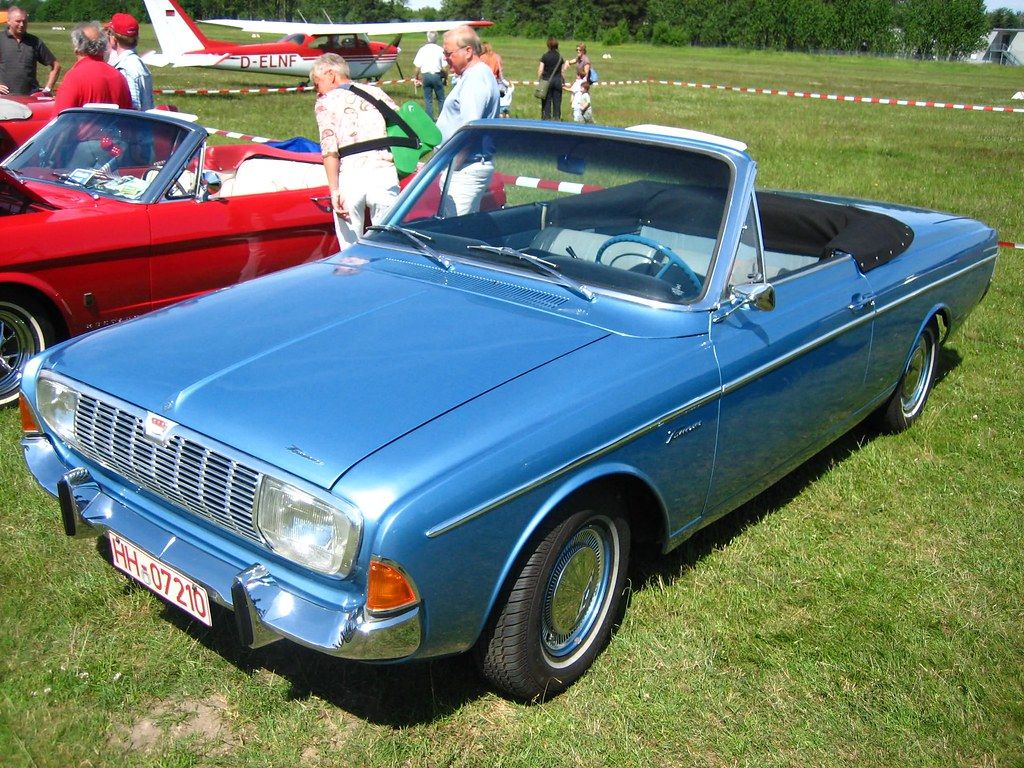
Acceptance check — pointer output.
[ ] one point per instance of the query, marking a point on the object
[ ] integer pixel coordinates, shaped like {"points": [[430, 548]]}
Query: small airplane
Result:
{"points": [[183, 44]]}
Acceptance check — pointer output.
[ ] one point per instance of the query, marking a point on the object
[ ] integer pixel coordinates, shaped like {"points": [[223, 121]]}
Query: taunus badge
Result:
{"points": [[673, 434], [158, 429], [299, 452]]}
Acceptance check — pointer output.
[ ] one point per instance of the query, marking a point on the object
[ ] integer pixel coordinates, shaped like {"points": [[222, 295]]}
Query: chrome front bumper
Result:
{"points": [[265, 611]]}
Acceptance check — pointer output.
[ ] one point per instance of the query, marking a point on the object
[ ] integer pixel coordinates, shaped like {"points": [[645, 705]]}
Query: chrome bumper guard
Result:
{"points": [[265, 611]]}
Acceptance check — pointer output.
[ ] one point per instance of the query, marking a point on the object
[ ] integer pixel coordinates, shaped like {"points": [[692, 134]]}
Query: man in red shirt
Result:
{"points": [[91, 80]]}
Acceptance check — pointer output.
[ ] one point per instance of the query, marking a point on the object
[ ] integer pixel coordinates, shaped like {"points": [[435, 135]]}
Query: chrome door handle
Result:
{"points": [[861, 301]]}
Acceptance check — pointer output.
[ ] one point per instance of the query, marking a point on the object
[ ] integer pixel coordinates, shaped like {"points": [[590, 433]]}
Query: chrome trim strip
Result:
{"points": [[803, 349], [810, 346], [924, 288], [459, 520], [698, 402]]}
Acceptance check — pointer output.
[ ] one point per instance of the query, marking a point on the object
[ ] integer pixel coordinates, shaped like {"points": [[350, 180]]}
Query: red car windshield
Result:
{"points": [[116, 153]]}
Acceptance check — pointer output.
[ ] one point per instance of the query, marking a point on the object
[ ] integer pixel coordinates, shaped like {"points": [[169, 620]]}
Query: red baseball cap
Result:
{"points": [[123, 24]]}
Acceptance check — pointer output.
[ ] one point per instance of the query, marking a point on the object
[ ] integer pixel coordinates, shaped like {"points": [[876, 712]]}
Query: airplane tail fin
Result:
{"points": [[175, 30]]}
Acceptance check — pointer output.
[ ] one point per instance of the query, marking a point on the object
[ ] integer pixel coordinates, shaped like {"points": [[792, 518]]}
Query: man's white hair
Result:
{"points": [[329, 62]]}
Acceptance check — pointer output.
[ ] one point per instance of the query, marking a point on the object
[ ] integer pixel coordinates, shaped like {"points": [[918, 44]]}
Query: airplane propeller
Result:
{"points": [[394, 44]]}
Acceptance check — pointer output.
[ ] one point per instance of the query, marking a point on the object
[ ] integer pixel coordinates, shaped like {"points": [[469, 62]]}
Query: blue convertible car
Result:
{"points": [[562, 341]]}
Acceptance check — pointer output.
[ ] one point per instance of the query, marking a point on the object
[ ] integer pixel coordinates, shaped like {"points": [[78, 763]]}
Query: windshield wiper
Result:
{"points": [[545, 267], [420, 240]]}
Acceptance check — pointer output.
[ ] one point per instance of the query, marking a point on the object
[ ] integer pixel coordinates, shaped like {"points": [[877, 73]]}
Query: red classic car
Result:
{"points": [[21, 117], [108, 214]]}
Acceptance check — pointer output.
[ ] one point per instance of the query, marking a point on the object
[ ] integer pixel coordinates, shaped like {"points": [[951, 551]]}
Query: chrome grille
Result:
{"points": [[182, 472]]}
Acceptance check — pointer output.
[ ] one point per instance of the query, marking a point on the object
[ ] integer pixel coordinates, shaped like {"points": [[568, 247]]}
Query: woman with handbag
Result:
{"points": [[549, 88]]}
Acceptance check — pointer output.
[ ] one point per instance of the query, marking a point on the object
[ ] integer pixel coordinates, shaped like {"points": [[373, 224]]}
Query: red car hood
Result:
{"points": [[11, 184]]}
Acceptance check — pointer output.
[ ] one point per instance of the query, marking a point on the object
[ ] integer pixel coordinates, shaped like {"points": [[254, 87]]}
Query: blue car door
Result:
{"points": [[792, 377]]}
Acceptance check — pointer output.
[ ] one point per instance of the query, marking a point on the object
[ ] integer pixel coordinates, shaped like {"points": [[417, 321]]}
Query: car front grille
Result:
{"points": [[182, 472]]}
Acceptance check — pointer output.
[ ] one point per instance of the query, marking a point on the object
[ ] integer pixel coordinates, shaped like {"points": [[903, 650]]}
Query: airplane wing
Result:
{"points": [[371, 29]]}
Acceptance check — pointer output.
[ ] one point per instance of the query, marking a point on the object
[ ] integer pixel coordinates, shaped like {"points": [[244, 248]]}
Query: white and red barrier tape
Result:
{"points": [[851, 99], [1018, 246], [569, 187], [235, 91], [675, 83], [234, 135]]}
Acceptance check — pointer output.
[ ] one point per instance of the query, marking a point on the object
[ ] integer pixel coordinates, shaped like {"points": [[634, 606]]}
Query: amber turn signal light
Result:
{"points": [[387, 588], [28, 419]]}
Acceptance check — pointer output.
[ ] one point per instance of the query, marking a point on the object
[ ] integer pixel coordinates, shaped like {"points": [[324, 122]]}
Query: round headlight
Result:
{"points": [[305, 529]]}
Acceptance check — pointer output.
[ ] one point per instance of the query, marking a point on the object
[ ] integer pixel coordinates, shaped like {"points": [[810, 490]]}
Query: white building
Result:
{"points": [[1005, 46]]}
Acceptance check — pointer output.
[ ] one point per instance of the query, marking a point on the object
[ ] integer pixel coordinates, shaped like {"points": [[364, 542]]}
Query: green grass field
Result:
{"points": [[866, 611]]}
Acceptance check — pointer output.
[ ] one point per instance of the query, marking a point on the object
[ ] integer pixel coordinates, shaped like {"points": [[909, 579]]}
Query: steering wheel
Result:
{"points": [[671, 257]]}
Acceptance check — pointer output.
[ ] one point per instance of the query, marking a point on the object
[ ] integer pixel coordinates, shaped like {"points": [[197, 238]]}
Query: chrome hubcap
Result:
{"points": [[576, 591], [915, 381], [17, 345]]}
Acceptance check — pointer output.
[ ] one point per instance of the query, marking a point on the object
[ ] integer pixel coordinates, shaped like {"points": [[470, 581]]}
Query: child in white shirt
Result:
{"points": [[582, 111]]}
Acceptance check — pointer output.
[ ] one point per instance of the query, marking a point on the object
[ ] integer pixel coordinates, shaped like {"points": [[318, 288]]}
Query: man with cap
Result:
{"points": [[19, 54], [91, 80], [123, 32]]}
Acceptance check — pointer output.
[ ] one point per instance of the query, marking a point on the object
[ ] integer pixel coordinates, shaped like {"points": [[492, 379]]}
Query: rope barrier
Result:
{"points": [[649, 81]]}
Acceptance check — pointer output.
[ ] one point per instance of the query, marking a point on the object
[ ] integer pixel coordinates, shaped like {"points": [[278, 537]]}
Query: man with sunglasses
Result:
{"points": [[474, 96]]}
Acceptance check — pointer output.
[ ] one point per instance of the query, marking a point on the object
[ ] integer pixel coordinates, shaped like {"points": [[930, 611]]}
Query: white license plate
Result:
{"points": [[174, 587]]}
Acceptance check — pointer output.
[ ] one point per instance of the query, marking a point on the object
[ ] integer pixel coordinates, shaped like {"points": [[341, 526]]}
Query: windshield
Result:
{"points": [[115, 153], [623, 216]]}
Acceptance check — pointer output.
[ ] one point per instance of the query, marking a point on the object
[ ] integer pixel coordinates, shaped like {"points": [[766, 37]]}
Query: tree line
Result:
{"points": [[923, 28]]}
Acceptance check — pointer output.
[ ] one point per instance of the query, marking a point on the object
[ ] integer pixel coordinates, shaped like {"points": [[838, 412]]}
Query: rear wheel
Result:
{"points": [[562, 604], [911, 394], [25, 329]]}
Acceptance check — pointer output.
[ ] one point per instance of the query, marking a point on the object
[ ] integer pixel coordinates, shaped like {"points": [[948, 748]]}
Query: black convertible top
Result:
{"points": [[792, 224], [789, 223]]}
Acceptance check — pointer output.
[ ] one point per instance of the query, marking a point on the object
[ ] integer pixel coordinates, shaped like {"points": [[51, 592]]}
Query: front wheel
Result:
{"points": [[562, 604], [911, 394], [25, 329]]}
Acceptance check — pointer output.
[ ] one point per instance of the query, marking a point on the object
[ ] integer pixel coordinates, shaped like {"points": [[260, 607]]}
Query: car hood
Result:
{"points": [[314, 368], [10, 184]]}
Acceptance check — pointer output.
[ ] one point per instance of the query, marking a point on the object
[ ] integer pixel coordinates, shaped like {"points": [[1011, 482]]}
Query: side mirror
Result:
{"points": [[209, 185], [760, 296]]}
